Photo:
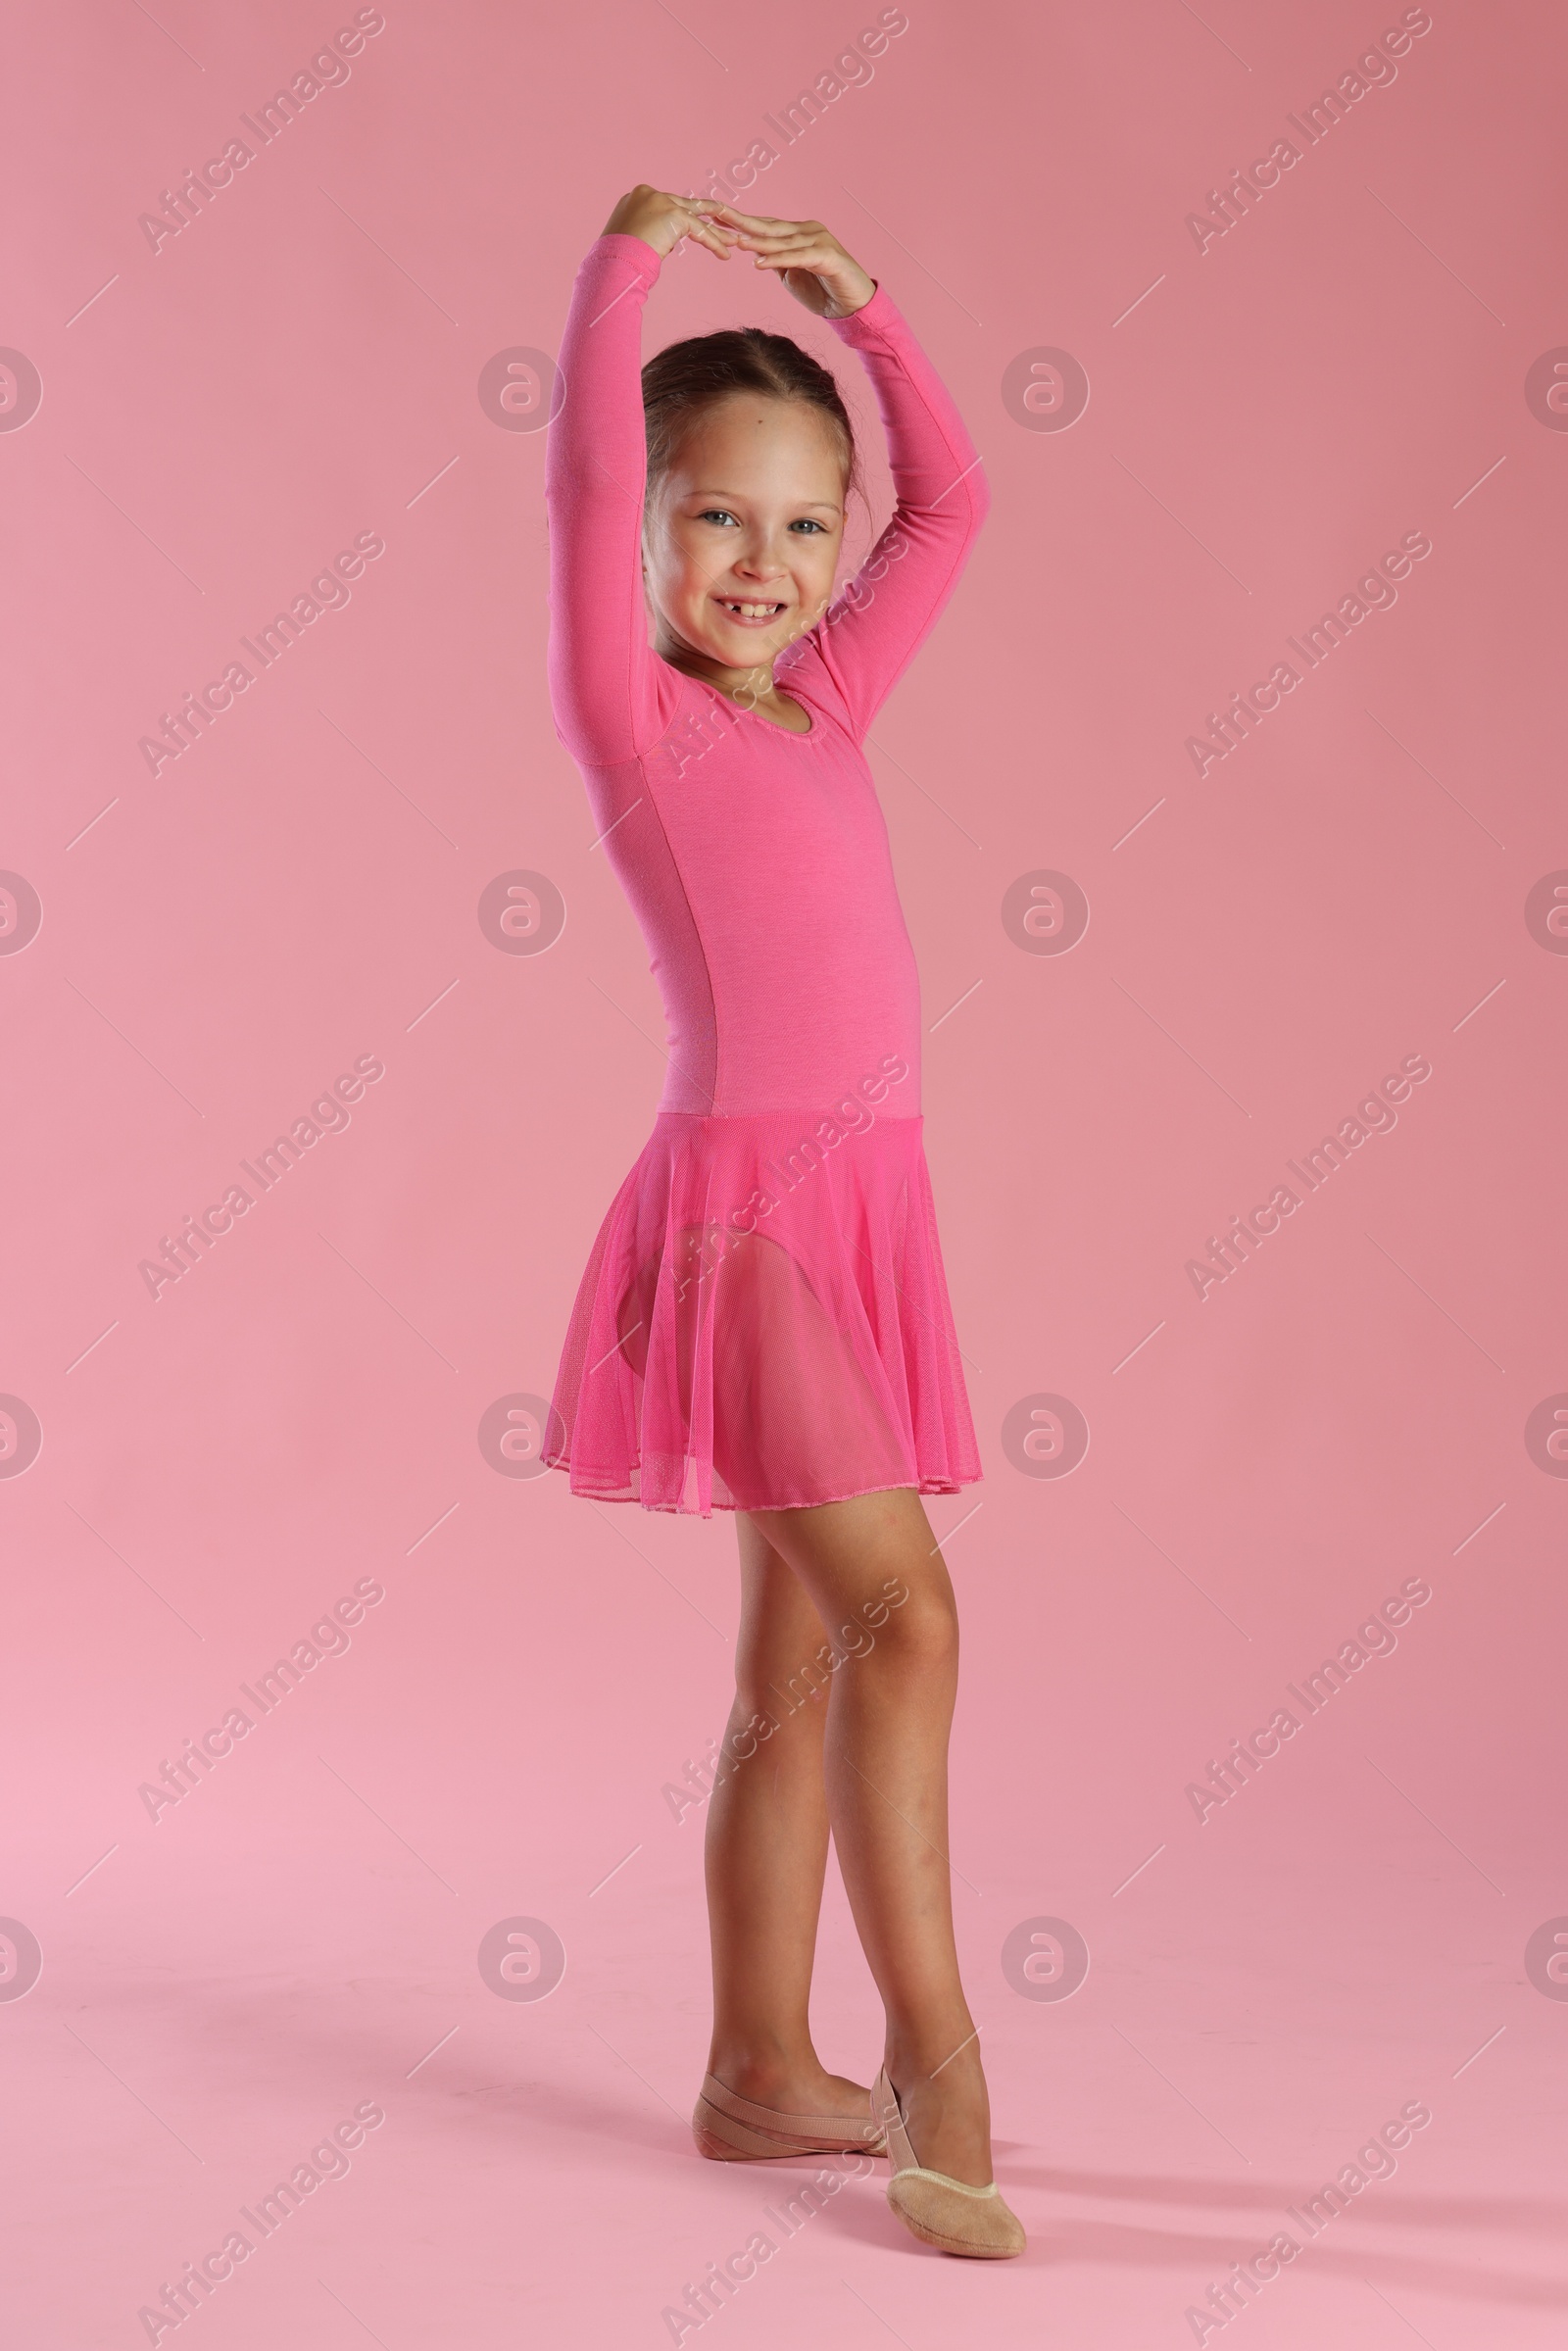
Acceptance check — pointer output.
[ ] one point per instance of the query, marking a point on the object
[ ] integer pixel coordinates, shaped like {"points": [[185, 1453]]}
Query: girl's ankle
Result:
{"points": [[763, 2075], [911, 2065]]}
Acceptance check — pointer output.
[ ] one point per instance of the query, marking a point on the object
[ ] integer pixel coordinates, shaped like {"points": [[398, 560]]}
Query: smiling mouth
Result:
{"points": [[741, 610]]}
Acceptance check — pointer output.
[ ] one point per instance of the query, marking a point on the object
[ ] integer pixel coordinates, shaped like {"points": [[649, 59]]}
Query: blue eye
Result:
{"points": [[722, 514]]}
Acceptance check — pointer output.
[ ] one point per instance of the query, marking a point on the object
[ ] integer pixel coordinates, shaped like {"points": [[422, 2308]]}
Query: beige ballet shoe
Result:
{"points": [[732, 2129], [941, 2212]]}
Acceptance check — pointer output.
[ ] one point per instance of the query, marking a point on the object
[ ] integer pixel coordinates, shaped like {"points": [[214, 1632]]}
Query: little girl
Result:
{"points": [[764, 1324]]}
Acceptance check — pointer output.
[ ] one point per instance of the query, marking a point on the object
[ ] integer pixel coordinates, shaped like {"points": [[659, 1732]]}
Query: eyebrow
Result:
{"points": [[734, 498]]}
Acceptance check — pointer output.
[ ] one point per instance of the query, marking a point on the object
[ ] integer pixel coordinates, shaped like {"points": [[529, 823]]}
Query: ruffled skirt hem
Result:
{"points": [[764, 1324]]}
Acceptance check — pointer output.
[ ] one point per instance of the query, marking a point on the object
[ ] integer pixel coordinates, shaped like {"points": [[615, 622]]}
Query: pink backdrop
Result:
{"points": [[1351, 358]]}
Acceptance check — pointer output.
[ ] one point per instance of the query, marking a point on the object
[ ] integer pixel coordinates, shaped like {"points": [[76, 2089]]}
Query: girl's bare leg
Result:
{"points": [[766, 1848], [884, 1767]]}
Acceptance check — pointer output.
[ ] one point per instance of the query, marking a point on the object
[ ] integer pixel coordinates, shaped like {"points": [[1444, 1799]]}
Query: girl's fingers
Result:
{"points": [[809, 251], [747, 219], [704, 231], [782, 231], [784, 248], [800, 257], [760, 225]]}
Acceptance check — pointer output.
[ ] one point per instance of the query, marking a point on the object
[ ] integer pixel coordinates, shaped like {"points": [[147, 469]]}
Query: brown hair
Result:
{"points": [[681, 384]]}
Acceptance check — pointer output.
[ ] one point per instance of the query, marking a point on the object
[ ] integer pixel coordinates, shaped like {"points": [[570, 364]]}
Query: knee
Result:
{"points": [[920, 1636]]}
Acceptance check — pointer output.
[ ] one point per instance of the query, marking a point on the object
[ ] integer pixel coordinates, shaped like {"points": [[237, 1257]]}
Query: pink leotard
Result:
{"points": [[756, 862]]}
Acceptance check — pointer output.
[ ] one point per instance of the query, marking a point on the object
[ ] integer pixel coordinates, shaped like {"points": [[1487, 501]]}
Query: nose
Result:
{"points": [[760, 560]]}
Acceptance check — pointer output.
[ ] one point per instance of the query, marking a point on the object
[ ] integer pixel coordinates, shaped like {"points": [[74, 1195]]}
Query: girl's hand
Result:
{"points": [[812, 261], [661, 221]]}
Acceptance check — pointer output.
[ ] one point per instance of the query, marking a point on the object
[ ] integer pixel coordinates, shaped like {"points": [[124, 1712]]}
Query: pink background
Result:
{"points": [[222, 1987]]}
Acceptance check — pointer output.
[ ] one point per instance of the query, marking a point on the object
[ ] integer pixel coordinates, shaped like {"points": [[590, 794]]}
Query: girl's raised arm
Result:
{"points": [[875, 626], [877, 623], [606, 687]]}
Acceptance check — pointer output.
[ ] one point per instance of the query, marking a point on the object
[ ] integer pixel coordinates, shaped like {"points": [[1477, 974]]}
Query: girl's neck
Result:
{"points": [[752, 689], [750, 685]]}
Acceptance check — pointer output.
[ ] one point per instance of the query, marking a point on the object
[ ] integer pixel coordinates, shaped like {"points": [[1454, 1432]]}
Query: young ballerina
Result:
{"points": [[763, 1323]]}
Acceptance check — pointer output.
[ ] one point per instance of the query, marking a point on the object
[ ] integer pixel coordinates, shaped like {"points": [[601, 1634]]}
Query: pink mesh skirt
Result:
{"points": [[764, 1324]]}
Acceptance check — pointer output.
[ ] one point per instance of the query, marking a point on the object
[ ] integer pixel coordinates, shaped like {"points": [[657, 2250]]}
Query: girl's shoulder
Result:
{"points": [[805, 664], [813, 662]]}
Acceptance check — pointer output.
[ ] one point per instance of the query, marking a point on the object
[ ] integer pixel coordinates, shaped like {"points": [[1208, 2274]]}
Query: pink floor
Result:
{"points": [[298, 1940]]}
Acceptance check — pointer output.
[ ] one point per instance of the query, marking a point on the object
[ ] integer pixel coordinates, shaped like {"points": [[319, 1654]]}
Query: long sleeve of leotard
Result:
{"points": [[613, 697], [872, 631]]}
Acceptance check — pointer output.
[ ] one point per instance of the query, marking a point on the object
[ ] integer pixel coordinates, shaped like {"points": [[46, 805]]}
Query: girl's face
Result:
{"points": [[741, 536]]}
